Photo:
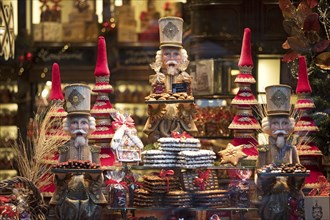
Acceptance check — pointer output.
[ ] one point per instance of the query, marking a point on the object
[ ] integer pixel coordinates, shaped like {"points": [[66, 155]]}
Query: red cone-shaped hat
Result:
{"points": [[101, 68], [56, 91], [303, 82], [102, 72], [246, 58]]}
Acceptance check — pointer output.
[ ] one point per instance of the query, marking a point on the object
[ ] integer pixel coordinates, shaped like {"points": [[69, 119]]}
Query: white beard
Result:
{"points": [[172, 70], [280, 141], [80, 141]]}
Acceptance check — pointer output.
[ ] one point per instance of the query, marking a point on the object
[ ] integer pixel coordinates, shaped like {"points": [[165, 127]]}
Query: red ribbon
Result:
{"points": [[121, 120], [112, 182], [201, 180], [7, 211], [4, 199], [184, 135], [164, 174]]}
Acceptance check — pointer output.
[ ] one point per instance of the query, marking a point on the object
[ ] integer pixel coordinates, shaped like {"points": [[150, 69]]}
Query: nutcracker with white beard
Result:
{"points": [[170, 104], [78, 194], [275, 193], [278, 125]]}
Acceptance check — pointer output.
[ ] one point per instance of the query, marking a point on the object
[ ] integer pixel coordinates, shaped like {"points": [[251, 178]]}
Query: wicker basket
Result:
{"points": [[34, 200]]}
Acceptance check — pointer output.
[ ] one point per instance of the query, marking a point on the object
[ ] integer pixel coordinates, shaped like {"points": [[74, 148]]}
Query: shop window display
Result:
{"points": [[215, 125]]}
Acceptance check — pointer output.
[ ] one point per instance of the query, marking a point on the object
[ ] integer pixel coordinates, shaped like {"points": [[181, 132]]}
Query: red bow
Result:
{"points": [[165, 174], [121, 120], [112, 181], [201, 180], [184, 135]]}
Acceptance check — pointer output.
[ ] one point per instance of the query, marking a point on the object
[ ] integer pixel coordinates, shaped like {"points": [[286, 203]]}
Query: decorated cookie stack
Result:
{"points": [[162, 183], [244, 123], [211, 198], [196, 159], [154, 188], [309, 154], [179, 142], [159, 158], [143, 198], [178, 198], [102, 108], [199, 180], [179, 150]]}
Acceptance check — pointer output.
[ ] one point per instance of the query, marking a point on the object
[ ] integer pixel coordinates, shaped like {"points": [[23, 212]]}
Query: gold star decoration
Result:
{"points": [[232, 154]]}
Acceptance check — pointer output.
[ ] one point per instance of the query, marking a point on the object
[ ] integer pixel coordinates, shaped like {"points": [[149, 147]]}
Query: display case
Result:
{"points": [[219, 180]]}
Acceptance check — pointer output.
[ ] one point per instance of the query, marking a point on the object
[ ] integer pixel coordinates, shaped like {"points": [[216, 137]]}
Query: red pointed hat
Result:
{"points": [[246, 58], [102, 72], [303, 82], [56, 91], [101, 68]]}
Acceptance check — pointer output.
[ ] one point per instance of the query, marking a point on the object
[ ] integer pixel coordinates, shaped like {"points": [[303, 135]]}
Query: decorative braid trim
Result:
{"points": [[245, 69]]}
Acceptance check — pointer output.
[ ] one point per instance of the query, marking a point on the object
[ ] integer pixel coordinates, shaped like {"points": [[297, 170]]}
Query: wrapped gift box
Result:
{"points": [[127, 35], [52, 31], [126, 11], [74, 32], [317, 207], [38, 32], [87, 15], [48, 31]]}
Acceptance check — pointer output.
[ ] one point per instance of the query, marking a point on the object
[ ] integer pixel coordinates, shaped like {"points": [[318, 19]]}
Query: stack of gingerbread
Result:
{"points": [[154, 188], [179, 150]]}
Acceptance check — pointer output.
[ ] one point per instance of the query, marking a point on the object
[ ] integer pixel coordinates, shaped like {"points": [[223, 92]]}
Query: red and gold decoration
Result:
{"points": [[308, 151], [102, 108], [57, 114], [244, 124]]}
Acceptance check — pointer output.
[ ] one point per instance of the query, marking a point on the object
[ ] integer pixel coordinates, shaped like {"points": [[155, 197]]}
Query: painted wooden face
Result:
{"points": [[171, 56], [79, 126], [279, 125]]}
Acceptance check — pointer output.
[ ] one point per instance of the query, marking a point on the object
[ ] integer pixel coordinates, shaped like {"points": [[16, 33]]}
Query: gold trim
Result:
{"points": [[306, 128]]}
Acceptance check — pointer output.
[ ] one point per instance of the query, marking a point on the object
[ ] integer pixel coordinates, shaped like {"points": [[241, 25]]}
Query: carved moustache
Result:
{"points": [[171, 62], [280, 132], [79, 132]]}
